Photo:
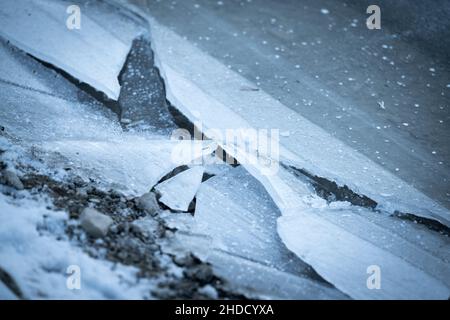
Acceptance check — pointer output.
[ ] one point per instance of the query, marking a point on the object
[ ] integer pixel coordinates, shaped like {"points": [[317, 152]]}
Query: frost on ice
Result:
{"points": [[234, 229]]}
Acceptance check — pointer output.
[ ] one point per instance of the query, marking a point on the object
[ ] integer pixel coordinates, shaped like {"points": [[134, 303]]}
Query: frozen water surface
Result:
{"points": [[349, 121], [93, 54]]}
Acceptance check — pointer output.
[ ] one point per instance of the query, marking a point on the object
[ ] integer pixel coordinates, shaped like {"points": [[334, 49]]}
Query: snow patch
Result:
{"points": [[38, 261]]}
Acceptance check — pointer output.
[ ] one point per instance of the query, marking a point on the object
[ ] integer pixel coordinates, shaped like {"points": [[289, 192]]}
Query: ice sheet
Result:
{"points": [[93, 54], [188, 72]]}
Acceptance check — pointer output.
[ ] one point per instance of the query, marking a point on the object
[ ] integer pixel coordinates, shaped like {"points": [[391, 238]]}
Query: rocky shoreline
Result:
{"points": [[133, 238]]}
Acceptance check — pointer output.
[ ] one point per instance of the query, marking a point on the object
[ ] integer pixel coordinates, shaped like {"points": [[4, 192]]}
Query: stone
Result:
{"points": [[147, 226], [209, 291], [148, 203], [202, 273], [12, 180], [95, 224]]}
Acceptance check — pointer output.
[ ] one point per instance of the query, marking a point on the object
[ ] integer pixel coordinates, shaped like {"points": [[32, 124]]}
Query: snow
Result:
{"points": [[38, 261], [178, 191], [92, 54]]}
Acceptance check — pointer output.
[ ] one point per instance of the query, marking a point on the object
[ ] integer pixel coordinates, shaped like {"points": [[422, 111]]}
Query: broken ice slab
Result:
{"points": [[93, 54], [259, 281], [188, 71], [82, 135], [239, 216], [19, 70], [252, 278], [236, 211], [38, 104], [351, 247], [132, 163], [179, 191], [248, 255], [341, 242]]}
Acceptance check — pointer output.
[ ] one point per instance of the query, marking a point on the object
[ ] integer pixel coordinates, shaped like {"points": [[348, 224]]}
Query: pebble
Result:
{"points": [[209, 291], [12, 180], [148, 203], [95, 223], [202, 273]]}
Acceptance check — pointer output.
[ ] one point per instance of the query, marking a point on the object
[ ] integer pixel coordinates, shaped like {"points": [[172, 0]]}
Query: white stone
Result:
{"points": [[148, 203], [12, 180], [95, 223]]}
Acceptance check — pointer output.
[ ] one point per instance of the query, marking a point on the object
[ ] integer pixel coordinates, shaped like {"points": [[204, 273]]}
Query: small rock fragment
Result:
{"points": [[147, 226], [209, 291], [184, 260], [11, 179], [202, 273], [148, 203], [95, 223]]}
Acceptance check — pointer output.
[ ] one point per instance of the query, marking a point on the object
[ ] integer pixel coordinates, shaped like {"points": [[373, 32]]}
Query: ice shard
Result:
{"points": [[179, 191], [239, 217]]}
